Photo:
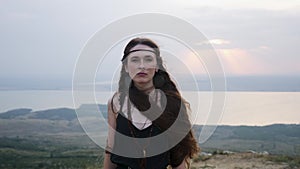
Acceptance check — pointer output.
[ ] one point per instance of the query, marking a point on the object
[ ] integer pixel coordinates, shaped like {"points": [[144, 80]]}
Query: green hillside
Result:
{"points": [[54, 138], [274, 139]]}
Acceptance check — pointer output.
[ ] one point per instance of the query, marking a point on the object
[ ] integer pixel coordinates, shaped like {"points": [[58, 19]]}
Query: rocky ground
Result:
{"points": [[240, 161]]}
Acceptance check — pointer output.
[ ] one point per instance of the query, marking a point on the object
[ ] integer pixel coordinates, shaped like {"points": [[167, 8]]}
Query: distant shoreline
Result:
{"points": [[195, 124], [251, 83], [240, 108]]}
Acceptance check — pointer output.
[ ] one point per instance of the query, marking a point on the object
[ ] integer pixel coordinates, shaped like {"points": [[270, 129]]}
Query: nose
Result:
{"points": [[141, 65]]}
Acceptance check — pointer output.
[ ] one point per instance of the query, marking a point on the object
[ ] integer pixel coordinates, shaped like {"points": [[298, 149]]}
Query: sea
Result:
{"points": [[217, 108]]}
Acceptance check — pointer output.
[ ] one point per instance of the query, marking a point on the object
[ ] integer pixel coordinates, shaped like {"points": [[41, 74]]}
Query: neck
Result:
{"points": [[145, 88]]}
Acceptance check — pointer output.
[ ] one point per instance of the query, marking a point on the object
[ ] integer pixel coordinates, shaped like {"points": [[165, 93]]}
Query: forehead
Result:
{"points": [[141, 47], [142, 50]]}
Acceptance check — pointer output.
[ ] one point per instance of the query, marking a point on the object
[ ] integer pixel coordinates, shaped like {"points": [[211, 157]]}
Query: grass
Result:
{"points": [[55, 163], [23, 153], [78, 152], [27, 159], [292, 161]]}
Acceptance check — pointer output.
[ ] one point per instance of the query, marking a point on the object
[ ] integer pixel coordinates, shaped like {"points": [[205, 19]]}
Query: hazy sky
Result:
{"points": [[43, 38]]}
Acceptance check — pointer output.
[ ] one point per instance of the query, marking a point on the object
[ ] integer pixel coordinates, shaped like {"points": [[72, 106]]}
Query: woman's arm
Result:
{"points": [[183, 165], [107, 163], [111, 134]]}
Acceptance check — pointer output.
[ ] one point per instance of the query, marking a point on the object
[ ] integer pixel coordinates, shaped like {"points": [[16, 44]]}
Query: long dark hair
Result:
{"points": [[175, 104]]}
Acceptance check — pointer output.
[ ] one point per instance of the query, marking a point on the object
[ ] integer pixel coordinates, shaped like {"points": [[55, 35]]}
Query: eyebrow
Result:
{"points": [[145, 57], [134, 57], [148, 56]]}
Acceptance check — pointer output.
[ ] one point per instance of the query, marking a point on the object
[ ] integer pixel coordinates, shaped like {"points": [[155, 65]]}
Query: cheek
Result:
{"points": [[152, 71], [131, 70]]}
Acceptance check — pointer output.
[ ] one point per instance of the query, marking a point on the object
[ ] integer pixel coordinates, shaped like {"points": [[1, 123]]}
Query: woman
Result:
{"points": [[147, 104]]}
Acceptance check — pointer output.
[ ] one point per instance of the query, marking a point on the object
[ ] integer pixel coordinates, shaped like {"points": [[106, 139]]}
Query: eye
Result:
{"points": [[149, 59], [134, 59]]}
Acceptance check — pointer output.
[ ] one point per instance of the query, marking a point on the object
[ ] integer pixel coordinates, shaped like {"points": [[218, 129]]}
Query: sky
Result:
{"points": [[42, 39]]}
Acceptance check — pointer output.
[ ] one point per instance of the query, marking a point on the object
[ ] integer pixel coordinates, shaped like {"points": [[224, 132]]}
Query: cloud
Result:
{"points": [[264, 47], [215, 42], [260, 41], [238, 61], [44, 38], [219, 42], [233, 4]]}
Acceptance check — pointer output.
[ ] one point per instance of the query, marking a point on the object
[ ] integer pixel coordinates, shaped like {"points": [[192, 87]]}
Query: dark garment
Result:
{"points": [[125, 127]]}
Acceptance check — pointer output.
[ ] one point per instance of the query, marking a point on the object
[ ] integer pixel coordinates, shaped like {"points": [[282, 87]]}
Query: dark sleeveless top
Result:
{"points": [[125, 127]]}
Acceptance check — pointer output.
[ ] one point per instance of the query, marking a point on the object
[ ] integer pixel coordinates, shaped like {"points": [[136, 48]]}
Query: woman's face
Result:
{"points": [[141, 65]]}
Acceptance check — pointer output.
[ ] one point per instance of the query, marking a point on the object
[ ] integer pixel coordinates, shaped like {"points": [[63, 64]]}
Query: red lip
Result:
{"points": [[142, 74]]}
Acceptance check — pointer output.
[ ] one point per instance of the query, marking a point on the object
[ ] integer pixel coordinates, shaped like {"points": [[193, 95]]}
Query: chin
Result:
{"points": [[141, 81]]}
